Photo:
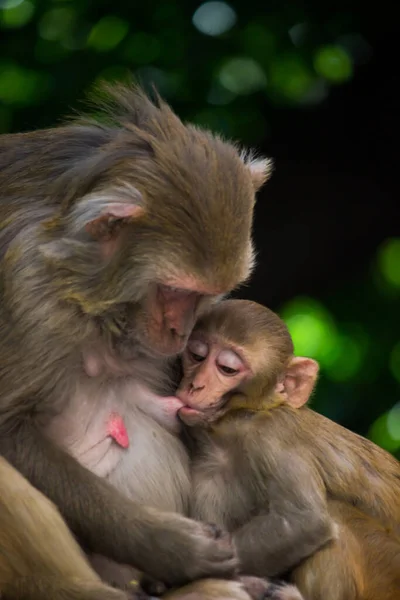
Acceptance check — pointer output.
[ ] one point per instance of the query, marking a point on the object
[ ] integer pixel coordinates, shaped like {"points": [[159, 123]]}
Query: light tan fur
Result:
{"points": [[38, 549]]}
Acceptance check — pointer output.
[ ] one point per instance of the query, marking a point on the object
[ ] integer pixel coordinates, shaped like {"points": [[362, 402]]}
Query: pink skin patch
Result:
{"points": [[170, 404], [116, 429], [92, 365]]}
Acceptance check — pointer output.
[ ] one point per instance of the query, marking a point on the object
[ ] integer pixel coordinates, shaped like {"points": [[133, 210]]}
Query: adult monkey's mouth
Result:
{"points": [[170, 317]]}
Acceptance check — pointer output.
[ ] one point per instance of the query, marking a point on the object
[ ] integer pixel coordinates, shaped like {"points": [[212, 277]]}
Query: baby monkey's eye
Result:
{"points": [[229, 363], [228, 370], [197, 350], [196, 357]]}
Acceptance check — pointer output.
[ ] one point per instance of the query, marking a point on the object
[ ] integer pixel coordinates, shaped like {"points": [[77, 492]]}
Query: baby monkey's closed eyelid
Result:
{"points": [[198, 347], [229, 358]]}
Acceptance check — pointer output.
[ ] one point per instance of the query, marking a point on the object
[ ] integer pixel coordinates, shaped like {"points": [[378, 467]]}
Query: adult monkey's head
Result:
{"points": [[155, 222]]}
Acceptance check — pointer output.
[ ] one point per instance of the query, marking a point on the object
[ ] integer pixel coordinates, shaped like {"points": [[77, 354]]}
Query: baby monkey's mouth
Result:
{"points": [[188, 410], [191, 416]]}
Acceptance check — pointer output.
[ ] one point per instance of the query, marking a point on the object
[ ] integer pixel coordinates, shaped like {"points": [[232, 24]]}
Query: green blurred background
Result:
{"points": [[311, 85]]}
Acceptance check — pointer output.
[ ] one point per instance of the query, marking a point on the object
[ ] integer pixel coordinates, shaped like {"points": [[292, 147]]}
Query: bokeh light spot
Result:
{"points": [[7, 4], [389, 262], [356, 46], [385, 431], [394, 362], [348, 359], [312, 328], [219, 95], [333, 63], [259, 42], [22, 87], [56, 23], [150, 76], [242, 76], [216, 119], [291, 77], [49, 52], [214, 18], [298, 33], [393, 423], [141, 48], [17, 15], [316, 93], [113, 73], [107, 33]]}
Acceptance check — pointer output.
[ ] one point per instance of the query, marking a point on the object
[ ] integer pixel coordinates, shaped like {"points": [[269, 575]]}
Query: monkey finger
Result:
{"points": [[215, 531], [151, 586], [224, 547], [222, 537], [223, 568], [135, 591], [262, 589], [221, 550], [135, 595], [256, 587]]}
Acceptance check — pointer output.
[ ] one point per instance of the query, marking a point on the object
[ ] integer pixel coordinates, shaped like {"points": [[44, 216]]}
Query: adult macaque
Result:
{"points": [[115, 235], [312, 488]]}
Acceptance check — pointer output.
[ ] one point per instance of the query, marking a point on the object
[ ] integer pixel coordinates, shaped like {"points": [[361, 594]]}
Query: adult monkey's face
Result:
{"points": [[166, 216]]}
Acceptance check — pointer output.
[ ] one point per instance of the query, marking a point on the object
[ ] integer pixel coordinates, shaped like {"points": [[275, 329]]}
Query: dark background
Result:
{"points": [[315, 87]]}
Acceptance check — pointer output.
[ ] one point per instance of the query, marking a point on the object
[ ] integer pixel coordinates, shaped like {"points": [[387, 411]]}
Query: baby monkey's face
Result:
{"points": [[212, 368]]}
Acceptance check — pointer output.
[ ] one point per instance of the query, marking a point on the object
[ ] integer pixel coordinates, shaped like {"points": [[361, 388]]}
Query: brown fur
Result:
{"points": [[320, 496], [45, 562], [362, 564], [38, 549], [97, 217]]}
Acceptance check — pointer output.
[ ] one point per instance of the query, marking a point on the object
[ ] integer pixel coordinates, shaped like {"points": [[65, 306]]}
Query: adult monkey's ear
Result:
{"points": [[102, 215], [299, 381], [261, 170]]}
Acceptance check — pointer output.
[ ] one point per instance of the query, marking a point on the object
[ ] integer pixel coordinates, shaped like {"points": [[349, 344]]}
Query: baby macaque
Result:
{"points": [[113, 440], [300, 494]]}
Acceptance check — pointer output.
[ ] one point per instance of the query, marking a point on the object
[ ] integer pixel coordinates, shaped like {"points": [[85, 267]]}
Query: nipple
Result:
{"points": [[117, 430]]}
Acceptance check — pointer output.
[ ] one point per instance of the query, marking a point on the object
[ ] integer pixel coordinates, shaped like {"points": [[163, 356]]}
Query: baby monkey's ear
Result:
{"points": [[299, 381]]}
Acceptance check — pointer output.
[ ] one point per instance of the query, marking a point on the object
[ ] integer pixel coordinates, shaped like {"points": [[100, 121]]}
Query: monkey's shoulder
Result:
{"points": [[266, 425], [260, 437]]}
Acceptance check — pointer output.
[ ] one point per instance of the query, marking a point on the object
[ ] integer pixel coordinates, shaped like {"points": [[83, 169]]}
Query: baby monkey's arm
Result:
{"points": [[297, 522]]}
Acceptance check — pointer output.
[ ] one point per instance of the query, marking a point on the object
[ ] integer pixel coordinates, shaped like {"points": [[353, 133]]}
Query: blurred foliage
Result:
{"points": [[209, 59], [355, 337], [220, 63]]}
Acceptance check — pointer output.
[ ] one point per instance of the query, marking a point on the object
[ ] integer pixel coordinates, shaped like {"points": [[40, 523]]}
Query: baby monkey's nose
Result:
{"points": [[195, 388]]}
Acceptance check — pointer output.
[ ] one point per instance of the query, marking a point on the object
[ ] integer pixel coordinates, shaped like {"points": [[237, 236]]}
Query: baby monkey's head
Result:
{"points": [[240, 348]]}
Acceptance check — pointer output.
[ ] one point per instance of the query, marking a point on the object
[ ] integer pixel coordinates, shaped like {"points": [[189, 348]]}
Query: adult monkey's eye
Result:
{"points": [[197, 350]]}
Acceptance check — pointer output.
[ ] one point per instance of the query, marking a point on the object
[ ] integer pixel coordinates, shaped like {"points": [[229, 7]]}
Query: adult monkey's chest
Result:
{"points": [[155, 471], [105, 430]]}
